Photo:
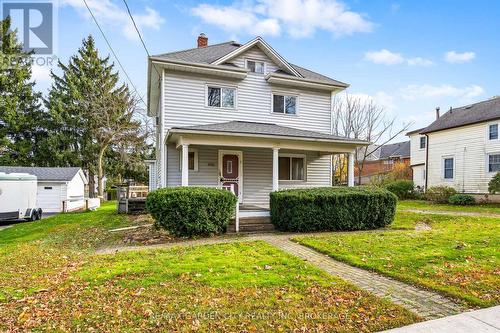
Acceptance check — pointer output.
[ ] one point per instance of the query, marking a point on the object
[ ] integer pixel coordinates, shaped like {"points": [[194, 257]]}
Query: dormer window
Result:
{"points": [[256, 66], [221, 97], [284, 104]]}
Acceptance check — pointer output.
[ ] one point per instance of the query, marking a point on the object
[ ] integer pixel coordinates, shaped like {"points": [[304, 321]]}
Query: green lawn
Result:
{"points": [[52, 280], [427, 206], [459, 256]]}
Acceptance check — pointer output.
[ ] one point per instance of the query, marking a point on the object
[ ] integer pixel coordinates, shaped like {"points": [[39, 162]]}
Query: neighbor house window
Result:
{"points": [[423, 142], [494, 163], [192, 159], [448, 167], [47, 188], [221, 97], [284, 104], [493, 132], [292, 167], [255, 66]]}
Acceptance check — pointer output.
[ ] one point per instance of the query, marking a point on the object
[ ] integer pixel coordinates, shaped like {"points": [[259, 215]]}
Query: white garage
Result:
{"points": [[59, 189]]}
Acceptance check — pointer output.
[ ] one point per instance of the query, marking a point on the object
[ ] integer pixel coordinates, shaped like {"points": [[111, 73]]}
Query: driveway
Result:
{"points": [[8, 224]]}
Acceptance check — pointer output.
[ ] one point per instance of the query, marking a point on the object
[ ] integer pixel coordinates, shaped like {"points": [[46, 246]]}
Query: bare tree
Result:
{"points": [[361, 118]]}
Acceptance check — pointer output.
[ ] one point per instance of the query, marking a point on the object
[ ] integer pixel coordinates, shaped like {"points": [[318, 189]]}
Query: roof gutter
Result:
{"points": [[267, 136], [302, 82]]}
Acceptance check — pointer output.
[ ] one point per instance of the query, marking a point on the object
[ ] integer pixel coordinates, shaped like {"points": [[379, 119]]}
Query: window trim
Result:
{"points": [[221, 86], [290, 156], [420, 142], [285, 94], [196, 159], [443, 169], [488, 162], [488, 131], [256, 60]]}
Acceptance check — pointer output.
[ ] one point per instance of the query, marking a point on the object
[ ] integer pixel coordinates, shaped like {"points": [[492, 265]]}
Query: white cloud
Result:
{"points": [[299, 18], [426, 91], [457, 58], [40, 73], [384, 57], [109, 13], [418, 61]]}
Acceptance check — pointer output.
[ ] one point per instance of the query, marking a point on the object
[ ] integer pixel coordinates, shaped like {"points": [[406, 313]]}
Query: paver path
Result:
{"points": [[427, 304], [444, 212]]}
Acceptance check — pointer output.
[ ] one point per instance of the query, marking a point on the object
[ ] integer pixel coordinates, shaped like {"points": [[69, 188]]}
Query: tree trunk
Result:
{"points": [[100, 173], [91, 185]]}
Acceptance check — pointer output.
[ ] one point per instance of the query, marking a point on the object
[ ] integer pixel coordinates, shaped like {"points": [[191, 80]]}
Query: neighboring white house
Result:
{"points": [[240, 116], [460, 149], [59, 189]]}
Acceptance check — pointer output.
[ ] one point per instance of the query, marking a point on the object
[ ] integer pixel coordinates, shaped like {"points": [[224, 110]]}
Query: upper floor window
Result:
{"points": [[448, 166], [423, 142], [284, 104], [494, 163], [256, 66], [493, 132], [291, 167], [221, 97]]}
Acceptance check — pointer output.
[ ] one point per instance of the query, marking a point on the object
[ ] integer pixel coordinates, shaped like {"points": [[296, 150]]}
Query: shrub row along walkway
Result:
{"points": [[424, 303]]}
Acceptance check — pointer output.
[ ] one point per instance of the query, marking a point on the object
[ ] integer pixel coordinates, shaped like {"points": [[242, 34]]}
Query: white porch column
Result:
{"points": [[185, 165], [275, 169], [350, 170]]}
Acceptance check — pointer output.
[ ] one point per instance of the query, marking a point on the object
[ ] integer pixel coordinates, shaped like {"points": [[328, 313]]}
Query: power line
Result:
{"points": [[113, 52], [139, 33]]}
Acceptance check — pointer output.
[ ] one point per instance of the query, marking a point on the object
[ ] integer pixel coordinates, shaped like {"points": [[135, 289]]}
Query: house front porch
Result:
{"points": [[252, 159]]}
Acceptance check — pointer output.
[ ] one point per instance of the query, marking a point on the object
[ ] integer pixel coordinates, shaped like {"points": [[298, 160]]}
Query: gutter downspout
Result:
{"points": [[426, 161]]}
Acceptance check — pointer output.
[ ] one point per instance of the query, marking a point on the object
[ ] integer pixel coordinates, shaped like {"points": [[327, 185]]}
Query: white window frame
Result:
{"points": [[443, 170], [488, 162], [196, 159], [221, 86], [255, 60], [488, 131], [290, 156], [285, 94], [420, 140]]}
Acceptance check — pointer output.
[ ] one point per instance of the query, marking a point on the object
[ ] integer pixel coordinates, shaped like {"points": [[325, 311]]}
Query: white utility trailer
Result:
{"points": [[18, 197]]}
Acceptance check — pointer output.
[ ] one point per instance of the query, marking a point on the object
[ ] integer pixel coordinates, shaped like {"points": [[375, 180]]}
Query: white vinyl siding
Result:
{"points": [[470, 146], [257, 171], [417, 155], [185, 100], [419, 176]]}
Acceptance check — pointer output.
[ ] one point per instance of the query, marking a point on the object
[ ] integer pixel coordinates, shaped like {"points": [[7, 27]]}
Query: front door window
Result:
{"points": [[230, 173]]}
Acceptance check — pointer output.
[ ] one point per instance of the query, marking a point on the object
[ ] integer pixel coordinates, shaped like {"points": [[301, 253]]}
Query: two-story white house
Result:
{"points": [[460, 149], [241, 117]]}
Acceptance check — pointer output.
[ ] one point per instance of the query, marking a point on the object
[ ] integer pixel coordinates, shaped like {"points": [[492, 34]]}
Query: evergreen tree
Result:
{"points": [[21, 117]]}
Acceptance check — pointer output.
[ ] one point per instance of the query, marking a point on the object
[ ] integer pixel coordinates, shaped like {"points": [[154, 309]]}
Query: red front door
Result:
{"points": [[230, 172]]}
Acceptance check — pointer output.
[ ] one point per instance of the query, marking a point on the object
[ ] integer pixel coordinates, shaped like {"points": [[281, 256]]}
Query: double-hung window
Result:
{"points": [[493, 132], [292, 167], [256, 66], [423, 142], [448, 167], [221, 97], [284, 104], [494, 163]]}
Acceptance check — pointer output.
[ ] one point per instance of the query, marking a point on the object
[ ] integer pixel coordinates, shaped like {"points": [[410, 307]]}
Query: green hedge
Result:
{"points": [[439, 194], [403, 189], [494, 184], [191, 211], [462, 199], [332, 208]]}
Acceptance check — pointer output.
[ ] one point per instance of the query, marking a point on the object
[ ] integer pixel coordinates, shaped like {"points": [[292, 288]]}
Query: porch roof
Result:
{"points": [[263, 130]]}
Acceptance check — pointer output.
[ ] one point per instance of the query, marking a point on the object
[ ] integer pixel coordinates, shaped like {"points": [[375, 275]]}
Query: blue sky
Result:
{"points": [[409, 56]]}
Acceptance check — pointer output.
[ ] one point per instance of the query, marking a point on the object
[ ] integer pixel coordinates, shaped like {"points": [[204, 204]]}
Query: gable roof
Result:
{"points": [[219, 54], [466, 115], [399, 149], [263, 129], [46, 173]]}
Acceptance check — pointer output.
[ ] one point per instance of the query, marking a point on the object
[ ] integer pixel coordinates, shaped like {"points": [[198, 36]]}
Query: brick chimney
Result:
{"points": [[202, 40]]}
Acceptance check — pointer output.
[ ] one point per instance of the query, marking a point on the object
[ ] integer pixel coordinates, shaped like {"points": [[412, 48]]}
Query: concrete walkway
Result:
{"points": [[481, 321], [426, 304]]}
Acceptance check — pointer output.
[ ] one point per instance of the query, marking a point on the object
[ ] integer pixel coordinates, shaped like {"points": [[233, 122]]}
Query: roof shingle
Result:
{"points": [[43, 173]]}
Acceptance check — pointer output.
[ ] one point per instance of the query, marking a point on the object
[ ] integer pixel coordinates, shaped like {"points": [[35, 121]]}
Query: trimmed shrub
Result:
{"points": [[494, 184], [403, 189], [462, 199], [332, 208], [439, 194], [191, 211]]}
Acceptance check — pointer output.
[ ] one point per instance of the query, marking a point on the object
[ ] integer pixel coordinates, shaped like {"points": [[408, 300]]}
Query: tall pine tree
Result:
{"points": [[21, 117], [90, 111]]}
